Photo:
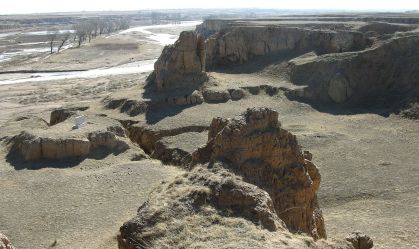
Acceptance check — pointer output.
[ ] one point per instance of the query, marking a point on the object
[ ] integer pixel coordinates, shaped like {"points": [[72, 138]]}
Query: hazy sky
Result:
{"points": [[31, 6]]}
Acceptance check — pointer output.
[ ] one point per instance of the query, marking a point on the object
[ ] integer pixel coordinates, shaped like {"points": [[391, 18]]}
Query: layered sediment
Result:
{"points": [[241, 44]]}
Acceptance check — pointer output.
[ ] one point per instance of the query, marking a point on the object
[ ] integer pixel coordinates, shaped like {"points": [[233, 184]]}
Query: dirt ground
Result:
{"points": [[368, 162]]}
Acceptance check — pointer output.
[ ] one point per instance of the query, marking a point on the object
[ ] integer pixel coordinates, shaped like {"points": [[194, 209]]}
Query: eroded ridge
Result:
{"points": [[250, 181], [256, 147]]}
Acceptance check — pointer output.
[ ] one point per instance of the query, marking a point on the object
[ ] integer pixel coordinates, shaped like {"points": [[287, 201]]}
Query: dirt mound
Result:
{"points": [[5, 242], [180, 65]]}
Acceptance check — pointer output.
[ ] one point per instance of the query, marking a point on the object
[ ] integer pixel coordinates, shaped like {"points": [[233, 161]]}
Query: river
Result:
{"points": [[129, 68]]}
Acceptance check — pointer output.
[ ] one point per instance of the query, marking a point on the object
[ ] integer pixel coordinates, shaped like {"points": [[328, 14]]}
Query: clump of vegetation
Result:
{"points": [[89, 29], [86, 30]]}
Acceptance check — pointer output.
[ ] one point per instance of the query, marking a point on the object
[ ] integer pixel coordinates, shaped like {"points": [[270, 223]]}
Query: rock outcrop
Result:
{"points": [[390, 67], [251, 186], [180, 65], [239, 44], [212, 208], [63, 141], [30, 147], [5, 242], [256, 147]]}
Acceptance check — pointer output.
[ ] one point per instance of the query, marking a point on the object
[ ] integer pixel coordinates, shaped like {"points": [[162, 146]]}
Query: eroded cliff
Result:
{"points": [[250, 185]]}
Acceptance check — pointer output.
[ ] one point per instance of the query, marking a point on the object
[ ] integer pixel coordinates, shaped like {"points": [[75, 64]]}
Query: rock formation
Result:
{"points": [[360, 240], [353, 77], [351, 64], [256, 147], [63, 141], [30, 147], [240, 44], [211, 208], [5, 242], [250, 185], [180, 65]]}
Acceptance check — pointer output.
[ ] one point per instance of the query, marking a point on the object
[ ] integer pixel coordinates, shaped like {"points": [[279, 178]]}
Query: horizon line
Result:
{"points": [[337, 10]]}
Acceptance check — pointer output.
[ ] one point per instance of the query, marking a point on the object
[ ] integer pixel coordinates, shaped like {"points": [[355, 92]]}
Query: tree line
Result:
{"points": [[87, 30]]}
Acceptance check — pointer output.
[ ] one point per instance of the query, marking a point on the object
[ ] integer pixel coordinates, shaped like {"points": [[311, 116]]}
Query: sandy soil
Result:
{"points": [[369, 163]]}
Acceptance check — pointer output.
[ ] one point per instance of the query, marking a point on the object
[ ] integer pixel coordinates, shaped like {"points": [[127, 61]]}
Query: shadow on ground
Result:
{"points": [[383, 105], [161, 103], [19, 164], [255, 64]]}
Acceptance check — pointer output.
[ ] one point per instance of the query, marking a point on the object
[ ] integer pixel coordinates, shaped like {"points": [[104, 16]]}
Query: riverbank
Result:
{"points": [[128, 52]]}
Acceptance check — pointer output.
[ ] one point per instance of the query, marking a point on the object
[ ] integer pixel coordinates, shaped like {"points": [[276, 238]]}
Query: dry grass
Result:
{"points": [[176, 216]]}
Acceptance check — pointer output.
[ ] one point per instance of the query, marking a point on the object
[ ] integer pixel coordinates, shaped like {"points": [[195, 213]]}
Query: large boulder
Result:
{"points": [[180, 65]]}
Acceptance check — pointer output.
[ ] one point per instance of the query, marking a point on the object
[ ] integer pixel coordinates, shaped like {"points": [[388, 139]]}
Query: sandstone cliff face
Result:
{"points": [[5, 243], [180, 65], [256, 147], [353, 77], [240, 44], [210, 27]]}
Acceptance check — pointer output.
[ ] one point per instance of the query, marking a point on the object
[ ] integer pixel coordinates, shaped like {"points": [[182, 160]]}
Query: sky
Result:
{"points": [[43, 6]]}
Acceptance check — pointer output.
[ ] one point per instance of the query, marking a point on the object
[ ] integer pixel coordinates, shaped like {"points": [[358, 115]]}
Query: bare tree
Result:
{"points": [[102, 26], [63, 39], [95, 27], [52, 35], [88, 29], [80, 33]]}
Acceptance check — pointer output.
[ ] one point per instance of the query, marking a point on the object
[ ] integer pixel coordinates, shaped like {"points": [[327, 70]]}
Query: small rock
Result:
{"points": [[216, 96], [236, 94], [359, 240], [5, 242]]}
